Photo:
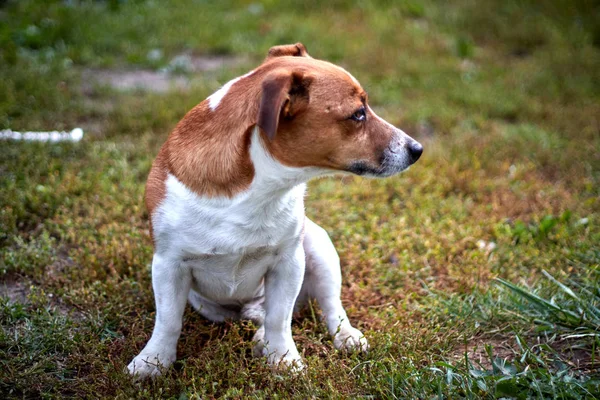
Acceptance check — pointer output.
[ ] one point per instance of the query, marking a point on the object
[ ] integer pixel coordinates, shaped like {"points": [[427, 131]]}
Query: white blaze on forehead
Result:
{"points": [[215, 99]]}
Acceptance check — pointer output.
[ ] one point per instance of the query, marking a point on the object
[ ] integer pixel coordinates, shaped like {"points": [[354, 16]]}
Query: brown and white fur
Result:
{"points": [[225, 198]]}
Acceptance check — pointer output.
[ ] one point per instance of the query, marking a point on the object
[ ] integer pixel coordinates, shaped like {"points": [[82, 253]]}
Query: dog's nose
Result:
{"points": [[414, 151]]}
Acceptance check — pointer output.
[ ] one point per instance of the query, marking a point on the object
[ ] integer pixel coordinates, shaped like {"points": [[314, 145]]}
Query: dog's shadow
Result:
{"points": [[201, 338]]}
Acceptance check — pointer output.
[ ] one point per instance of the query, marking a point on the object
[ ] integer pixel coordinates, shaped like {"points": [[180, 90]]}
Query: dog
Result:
{"points": [[225, 197]]}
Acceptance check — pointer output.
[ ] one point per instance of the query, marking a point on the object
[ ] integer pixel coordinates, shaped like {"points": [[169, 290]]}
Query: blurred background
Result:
{"points": [[448, 268]]}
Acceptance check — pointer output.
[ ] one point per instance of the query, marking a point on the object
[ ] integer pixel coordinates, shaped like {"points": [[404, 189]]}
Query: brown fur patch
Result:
{"points": [[284, 95], [209, 150], [155, 185]]}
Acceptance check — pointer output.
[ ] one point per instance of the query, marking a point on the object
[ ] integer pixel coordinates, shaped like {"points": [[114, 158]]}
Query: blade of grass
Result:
{"points": [[586, 305], [541, 302]]}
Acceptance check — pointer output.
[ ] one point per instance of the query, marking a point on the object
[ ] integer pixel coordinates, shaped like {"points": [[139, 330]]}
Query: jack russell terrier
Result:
{"points": [[225, 197]]}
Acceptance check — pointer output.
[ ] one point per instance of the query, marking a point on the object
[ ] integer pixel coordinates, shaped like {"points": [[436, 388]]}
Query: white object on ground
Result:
{"points": [[55, 136], [487, 246]]}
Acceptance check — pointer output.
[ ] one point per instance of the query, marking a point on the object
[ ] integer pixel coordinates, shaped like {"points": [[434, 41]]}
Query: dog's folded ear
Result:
{"points": [[293, 50], [285, 94]]}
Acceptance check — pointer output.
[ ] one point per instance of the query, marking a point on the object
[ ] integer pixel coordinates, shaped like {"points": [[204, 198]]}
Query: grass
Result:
{"points": [[474, 274]]}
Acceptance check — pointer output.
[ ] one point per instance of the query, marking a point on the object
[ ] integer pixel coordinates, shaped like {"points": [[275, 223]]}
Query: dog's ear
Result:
{"points": [[293, 50], [284, 95]]}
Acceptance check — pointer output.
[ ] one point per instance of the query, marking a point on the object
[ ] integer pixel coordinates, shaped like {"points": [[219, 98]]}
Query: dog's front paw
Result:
{"points": [[276, 357], [276, 360], [291, 362], [149, 365], [350, 338]]}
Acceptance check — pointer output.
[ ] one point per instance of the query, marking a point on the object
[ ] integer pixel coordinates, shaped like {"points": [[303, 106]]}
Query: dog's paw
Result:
{"points": [[277, 358], [149, 365], [291, 363], [350, 339], [277, 361]]}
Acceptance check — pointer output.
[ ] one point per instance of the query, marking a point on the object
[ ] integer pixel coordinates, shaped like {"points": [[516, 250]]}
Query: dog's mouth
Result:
{"points": [[362, 168], [392, 162]]}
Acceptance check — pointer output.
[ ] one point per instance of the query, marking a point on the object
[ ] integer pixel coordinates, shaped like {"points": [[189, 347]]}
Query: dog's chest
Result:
{"points": [[232, 277], [194, 225], [229, 244]]}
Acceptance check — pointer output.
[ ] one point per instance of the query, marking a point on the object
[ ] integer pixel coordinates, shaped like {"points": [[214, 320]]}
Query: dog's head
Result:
{"points": [[315, 114]]}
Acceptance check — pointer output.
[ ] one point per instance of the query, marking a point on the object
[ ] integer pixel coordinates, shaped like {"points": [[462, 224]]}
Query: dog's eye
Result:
{"points": [[359, 115]]}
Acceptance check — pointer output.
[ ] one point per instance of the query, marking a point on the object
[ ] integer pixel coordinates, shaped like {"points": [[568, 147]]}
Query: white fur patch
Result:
{"points": [[215, 99], [271, 175]]}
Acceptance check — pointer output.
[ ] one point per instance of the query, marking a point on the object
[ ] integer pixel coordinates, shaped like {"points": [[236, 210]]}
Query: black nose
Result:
{"points": [[414, 151]]}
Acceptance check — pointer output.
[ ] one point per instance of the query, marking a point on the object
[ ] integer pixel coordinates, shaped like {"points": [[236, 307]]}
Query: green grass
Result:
{"points": [[475, 274]]}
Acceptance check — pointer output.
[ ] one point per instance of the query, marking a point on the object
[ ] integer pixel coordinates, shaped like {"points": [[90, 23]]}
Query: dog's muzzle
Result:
{"points": [[402, 152]]}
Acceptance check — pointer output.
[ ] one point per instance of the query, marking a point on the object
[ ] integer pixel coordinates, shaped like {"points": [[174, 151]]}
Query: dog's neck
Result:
{"points": [[217, 150], [241, 164], [270, 175]]}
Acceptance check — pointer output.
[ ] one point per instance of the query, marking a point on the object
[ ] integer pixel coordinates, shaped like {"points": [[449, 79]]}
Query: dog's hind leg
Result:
{"points": [[323, 281]]}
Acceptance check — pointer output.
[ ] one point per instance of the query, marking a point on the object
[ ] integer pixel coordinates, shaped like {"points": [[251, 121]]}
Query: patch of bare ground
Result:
{"points": [[28, 292], [475, 350], [151, 81], [506, 348], [214, 62], [576, 356], [14, 291], [163, 80], [19, 292]]}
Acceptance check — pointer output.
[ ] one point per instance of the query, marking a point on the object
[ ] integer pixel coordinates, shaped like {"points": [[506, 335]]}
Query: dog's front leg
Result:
{"points": [[171, 284], [323, 281], [282, 285]]}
